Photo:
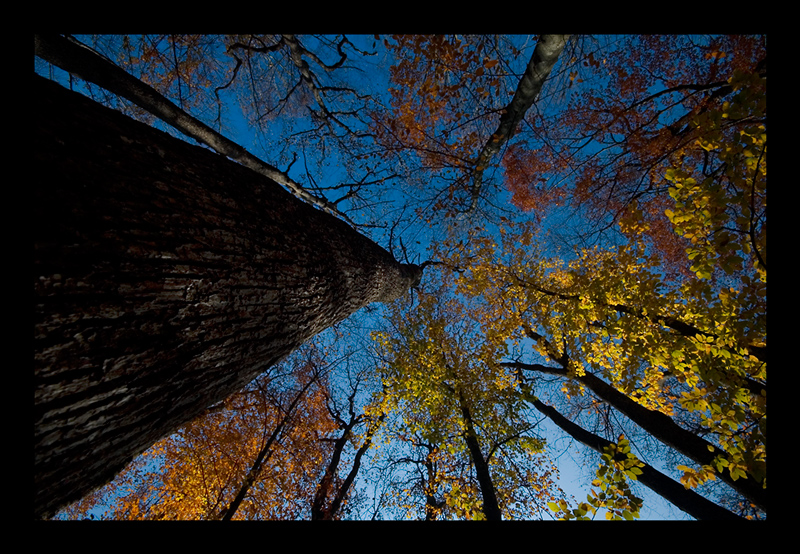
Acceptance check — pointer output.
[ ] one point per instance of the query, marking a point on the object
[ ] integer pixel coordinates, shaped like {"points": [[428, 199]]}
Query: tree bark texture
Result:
{"points": [[166, 277], [78, 59]]}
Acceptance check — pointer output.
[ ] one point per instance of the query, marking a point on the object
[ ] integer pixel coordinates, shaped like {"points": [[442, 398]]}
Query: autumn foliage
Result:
{"points": [[456, 409], [196, 473], [631, 115]]}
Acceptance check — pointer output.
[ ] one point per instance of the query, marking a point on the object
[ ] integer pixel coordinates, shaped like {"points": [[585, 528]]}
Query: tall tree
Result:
{"points": [[166, 278], [453, 402], [658, 349], [83, 62], [663, 336], [456, 102], [301, 96], [332, 491], [264, 453], [686, 499], [629, 116], [615, 328], [544, 57]]}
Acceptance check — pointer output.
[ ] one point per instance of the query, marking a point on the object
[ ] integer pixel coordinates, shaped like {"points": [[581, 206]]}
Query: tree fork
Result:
{"points": [[166, 277]]}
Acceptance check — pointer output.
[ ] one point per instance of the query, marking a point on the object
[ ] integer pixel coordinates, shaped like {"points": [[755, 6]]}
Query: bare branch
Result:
{"points": [[81, 60]]}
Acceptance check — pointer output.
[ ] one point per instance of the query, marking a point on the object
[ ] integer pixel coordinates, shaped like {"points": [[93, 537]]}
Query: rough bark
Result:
{"points": [[166, 277], [689, 501]]}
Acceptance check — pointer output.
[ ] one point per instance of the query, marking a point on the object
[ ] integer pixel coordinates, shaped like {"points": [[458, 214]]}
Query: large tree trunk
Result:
{"points": [[78, 59], [166, 277]]}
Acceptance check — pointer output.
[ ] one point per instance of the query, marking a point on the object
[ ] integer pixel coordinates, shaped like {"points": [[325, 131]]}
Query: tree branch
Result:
{"points": [[674, 323], [687, 500], [659, 425], [78, 59]]}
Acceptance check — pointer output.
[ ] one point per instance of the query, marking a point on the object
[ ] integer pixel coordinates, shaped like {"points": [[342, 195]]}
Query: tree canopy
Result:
{"points": [[590, 216]]}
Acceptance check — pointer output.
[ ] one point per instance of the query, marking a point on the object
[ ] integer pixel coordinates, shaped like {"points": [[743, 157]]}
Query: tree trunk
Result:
{"points": [[491, 508], [263, 455], [321, 508], [166, 277], [660, 426], [78, 59], [687, 500], [433, 506], [324, 509], [544, 57]]}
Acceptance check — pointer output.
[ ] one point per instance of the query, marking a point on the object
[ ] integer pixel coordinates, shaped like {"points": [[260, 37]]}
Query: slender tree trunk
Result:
{"points": [[343, 491], [166, 277], [660, 426], [544, 57], [689, 501], [320, 508], [263, 454], [70, 55], [491, 508], [432, 506], [328, 503]]}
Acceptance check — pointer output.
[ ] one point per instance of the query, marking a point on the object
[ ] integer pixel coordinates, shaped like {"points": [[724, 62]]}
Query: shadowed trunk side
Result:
{"points": [[166, 277]]}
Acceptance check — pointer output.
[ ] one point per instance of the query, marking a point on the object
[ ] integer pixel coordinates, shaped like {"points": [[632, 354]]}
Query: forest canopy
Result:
{"points": [[588, 337]]}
